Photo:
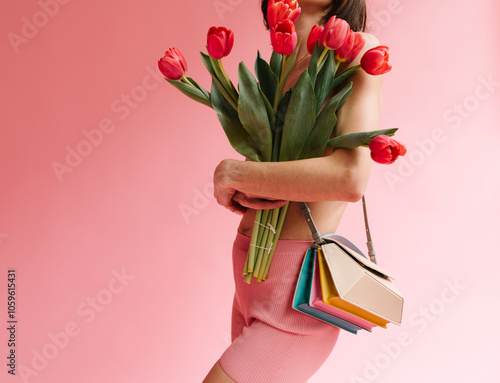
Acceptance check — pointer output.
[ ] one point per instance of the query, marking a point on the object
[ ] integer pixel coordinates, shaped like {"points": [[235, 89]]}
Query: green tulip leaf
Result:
{"points": [[325, 123], [207, 60], [299, 119], [275, 63], [192, 92], [270, 111], [225, 82], [343, 95], [288, 66], [313, 63], [205, 92], [268, 81], [316, 143], [354, 140], [253, 113], [279, 122], [238, 137], [208, 64], [223, 90], [324, 81], [339, 79], [339, 100]]}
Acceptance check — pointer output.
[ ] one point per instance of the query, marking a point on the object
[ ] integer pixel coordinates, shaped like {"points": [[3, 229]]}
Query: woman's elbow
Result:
{"points": [[355, 184], [350, 171], [353, 196]]}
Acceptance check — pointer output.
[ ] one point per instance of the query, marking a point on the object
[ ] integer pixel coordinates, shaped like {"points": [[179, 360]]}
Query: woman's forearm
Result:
{"points": [[341, 176]]}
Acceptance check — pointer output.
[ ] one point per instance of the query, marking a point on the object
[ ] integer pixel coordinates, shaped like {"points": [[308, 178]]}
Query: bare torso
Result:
{"points": [[326, 215]]}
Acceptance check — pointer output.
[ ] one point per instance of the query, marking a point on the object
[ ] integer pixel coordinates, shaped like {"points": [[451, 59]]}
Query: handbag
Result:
{"points": [[339, 285]]}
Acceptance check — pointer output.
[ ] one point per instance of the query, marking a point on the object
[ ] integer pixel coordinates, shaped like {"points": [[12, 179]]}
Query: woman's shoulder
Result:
{"points": [[370, 39]]}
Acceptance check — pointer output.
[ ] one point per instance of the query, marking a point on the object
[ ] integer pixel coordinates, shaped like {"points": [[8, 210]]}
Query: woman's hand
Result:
{"points": [[237, 201]]}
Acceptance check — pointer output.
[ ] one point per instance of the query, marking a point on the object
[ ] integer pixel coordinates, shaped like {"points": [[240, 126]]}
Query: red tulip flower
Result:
{"points": [[386, 150], [353, 44], [281, 10], [375, 61], [284, 37], [312, 39], [334, 33], [173, 65], [219, 42]]}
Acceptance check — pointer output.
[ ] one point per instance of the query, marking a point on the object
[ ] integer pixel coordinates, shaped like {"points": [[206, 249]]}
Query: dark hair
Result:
{"points": [[352, 11]]}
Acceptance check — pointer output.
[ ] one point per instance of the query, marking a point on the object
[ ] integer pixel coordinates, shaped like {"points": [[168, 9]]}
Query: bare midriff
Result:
{"points": [[326, 216]]}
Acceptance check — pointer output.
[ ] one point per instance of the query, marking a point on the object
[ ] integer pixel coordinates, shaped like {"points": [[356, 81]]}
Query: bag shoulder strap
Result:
{"points": [[306, 212]]}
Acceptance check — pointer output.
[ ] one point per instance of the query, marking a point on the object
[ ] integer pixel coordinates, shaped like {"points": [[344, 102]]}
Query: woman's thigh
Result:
{"points": [[217, 375], [266, 354]]}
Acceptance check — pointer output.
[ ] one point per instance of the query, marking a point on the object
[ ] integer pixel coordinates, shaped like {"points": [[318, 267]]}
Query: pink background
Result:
{"points": [[118, 209]]}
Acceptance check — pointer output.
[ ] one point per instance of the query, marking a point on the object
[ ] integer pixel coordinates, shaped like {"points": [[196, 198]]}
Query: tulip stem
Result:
{"points": [[281, 219], [228, 82], [281, 86], [253, 242], [186, 81], [321, 59], [223, 71]]}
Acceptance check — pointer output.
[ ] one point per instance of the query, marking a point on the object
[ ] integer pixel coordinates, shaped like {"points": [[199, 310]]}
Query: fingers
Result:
{"points": [[257, 203], [235, 201], [225, 200], [224, 197], [236, 208]]}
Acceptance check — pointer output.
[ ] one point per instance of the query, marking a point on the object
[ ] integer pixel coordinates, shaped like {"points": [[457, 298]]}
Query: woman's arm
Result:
{"points": [[340, 176]]}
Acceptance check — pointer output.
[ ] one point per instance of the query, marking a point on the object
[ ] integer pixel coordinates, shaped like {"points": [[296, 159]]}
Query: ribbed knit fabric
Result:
{"points": [[272, 342]]}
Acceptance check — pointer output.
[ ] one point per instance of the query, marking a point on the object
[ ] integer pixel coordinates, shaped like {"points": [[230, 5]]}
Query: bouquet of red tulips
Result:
{"points": [[264, 123]]}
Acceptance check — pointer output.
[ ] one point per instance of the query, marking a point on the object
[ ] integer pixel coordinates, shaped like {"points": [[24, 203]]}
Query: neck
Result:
{"points": [[310, 15]]}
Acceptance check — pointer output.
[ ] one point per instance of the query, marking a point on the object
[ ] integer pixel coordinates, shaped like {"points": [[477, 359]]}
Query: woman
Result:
{"points": [[271, 342]]}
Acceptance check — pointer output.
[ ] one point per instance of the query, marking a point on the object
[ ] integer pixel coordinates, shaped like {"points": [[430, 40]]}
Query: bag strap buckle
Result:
{"points": [[318, 241]]}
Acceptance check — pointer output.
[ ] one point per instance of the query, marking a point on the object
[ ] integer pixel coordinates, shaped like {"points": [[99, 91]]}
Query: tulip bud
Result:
{"points": [[334, 33], [375, 61], [353, 44], [386, 150], [284, 38], [219, 42], [173, 65], [313, 38], [281, 10]]}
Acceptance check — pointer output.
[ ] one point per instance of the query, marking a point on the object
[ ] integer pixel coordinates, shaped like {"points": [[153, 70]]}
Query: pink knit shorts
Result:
{"points": [[272, 342]]}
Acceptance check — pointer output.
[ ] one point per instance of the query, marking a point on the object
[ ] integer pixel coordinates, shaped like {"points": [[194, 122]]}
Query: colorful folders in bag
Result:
{"points": [[316, 300], [303, 293], [339, 285], [358, 286]]}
